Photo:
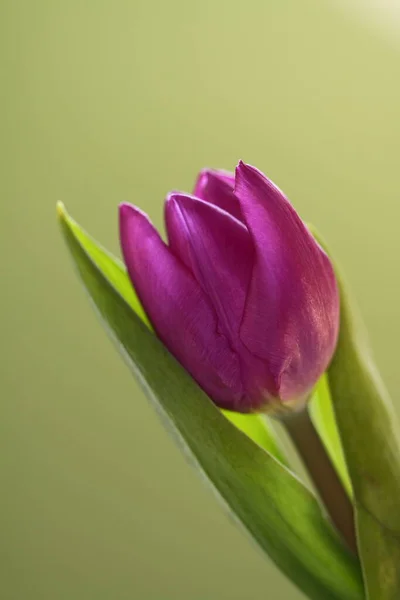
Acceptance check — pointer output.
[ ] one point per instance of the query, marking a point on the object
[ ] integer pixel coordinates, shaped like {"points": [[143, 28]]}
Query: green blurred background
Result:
{"points": [[108, 101]]}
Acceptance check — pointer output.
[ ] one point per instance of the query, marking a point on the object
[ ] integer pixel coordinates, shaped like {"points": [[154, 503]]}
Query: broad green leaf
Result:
{"points": [[369, 434], [255, 426], [368, 430], [323, 417], [276, 509], [380, 556]]}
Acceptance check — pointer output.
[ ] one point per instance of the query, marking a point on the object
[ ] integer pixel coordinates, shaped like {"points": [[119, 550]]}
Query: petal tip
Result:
{"points": [[131, 218], [244, 169], [173, 197], [243, 172], [211, 177], [125, 209], [124, 213], [179, 200], [129, 211]]}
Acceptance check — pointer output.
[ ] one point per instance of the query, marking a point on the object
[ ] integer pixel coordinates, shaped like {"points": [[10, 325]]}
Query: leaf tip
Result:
{"points": [[61, 212]]}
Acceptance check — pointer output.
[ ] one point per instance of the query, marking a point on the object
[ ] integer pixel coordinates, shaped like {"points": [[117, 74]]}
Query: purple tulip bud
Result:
{"points": [[242, 295]]}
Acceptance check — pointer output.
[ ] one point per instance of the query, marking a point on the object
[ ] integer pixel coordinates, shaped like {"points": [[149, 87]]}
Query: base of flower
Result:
{"points": [[282, 410]]}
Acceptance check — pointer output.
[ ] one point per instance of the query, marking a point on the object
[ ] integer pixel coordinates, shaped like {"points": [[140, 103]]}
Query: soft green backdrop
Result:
{"points": [[106, 101]]}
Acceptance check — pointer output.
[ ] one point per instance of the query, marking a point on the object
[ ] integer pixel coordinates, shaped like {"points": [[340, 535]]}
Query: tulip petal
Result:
{"points": [[218, 250], [292, 311], [178, 309], [216, 187]]}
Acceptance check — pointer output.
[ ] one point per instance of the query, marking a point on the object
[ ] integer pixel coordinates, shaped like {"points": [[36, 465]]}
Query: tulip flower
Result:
{"points": [[242, 295]]}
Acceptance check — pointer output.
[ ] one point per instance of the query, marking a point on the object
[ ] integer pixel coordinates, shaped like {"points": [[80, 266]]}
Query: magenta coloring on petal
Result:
{"points": [[242, 295]]}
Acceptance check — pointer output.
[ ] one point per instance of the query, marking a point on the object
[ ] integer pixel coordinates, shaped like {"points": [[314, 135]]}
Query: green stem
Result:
{"points": [[319, 466]]}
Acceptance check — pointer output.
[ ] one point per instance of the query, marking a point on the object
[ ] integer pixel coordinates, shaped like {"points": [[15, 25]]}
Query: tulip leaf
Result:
{"points": [[369, 434], [368, 430], [255, 426], [278, 511], [323, 416]]}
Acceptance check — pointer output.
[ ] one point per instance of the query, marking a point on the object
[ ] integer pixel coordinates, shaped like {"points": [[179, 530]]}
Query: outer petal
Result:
{"points": [[178, 309], [291, 316], [218, 250], [216, 187]]}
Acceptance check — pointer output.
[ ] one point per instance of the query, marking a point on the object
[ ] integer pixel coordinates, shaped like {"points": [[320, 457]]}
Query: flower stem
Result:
{"points": [[319, 466]]}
